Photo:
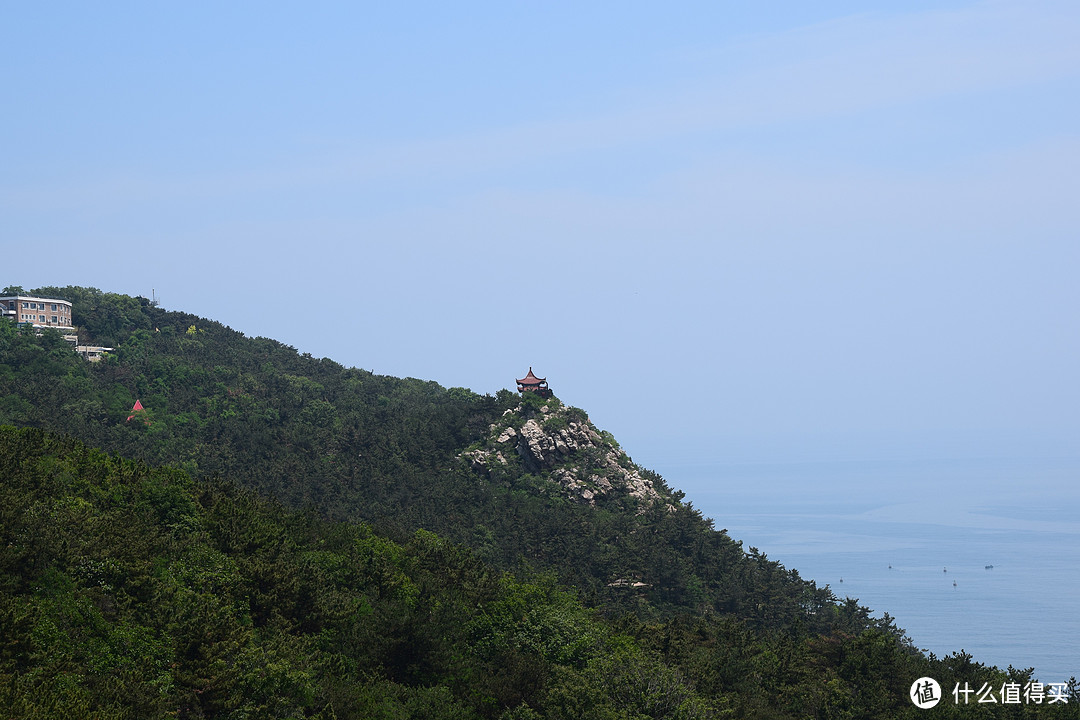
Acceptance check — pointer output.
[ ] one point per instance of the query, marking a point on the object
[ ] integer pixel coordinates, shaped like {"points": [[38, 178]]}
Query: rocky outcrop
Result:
{"points": [[561, 445]]}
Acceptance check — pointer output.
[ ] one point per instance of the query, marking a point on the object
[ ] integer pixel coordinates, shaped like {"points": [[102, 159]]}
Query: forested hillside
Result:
{"points": [[133, 592], [725, 630]]}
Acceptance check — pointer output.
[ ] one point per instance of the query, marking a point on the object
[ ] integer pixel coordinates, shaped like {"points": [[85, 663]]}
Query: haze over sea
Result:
{"points": [[844, 524]]}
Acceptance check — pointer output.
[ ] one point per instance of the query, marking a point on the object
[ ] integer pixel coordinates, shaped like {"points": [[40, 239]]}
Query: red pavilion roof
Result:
{"points": [[531, 379]]}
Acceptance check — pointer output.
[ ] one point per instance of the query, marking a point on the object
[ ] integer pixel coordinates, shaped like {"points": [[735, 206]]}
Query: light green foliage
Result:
{"points": [[537, 620]]}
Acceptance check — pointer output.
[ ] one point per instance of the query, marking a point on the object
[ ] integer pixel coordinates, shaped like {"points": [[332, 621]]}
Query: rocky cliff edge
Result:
{"points": [[558, 443]]}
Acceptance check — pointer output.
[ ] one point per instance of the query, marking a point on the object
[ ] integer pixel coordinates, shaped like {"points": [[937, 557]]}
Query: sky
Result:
{"points": [[731, 232]]}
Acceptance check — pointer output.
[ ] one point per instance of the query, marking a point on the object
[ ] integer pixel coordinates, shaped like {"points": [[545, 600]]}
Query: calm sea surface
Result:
{"points": [[914, 538]]}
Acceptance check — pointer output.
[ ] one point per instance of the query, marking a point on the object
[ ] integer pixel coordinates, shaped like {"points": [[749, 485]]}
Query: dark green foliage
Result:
{"points": [[134, 592], [229, 607]]}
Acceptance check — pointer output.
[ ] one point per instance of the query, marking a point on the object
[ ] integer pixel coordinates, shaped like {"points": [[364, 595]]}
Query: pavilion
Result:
{"points": [[533, 384]]}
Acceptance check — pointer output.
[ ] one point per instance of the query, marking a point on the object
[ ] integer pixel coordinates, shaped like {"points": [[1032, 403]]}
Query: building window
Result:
{"points": [[41, 318], [53, 307], [54, 318]]}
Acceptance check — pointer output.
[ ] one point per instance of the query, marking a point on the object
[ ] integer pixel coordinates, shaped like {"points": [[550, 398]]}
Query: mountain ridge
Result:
{"points": [[406, 455]]}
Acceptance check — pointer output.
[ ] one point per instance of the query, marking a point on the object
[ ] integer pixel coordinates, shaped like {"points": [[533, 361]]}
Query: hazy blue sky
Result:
{"points": [[730, 231]]}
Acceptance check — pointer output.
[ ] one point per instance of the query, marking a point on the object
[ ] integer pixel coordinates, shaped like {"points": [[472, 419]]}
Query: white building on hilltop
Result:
{"points": [[38, 312]]}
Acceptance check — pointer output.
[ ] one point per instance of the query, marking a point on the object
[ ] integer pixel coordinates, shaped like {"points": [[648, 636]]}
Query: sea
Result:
{"points": [[979, 555]]}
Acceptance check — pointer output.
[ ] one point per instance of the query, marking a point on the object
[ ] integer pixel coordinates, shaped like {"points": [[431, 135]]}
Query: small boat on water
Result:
{"points": [[989, 567]]}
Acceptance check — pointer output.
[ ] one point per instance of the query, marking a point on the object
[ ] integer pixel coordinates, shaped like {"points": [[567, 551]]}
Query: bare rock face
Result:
{"points": [[560, 444], [534, 442]]}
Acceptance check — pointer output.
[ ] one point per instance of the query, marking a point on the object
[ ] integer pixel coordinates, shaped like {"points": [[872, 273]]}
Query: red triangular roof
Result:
{"points": [[134, 409], [531, 379]]}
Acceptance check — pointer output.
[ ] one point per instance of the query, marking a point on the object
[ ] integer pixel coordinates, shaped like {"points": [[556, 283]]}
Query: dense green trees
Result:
{"points": [[135, 588], [134, 592]]}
